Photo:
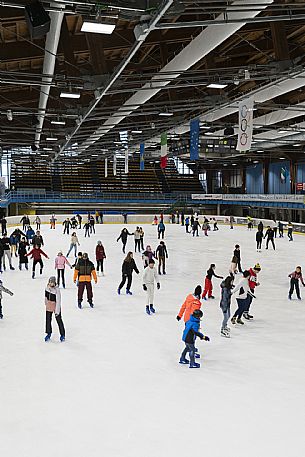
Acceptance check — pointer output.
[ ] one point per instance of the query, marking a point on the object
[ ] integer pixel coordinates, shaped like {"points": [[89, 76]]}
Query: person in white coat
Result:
{"points": [[244, 294], [150, 276]]}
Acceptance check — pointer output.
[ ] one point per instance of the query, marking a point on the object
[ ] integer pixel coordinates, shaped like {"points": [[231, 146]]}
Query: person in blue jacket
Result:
{"points": [[187, 224], [161, 230], [29, 234], [190, 333]]}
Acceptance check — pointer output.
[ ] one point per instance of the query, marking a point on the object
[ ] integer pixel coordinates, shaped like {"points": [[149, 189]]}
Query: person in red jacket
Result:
{"points": [[191, 303], [36, 253], [253, 282], [100, 256]]}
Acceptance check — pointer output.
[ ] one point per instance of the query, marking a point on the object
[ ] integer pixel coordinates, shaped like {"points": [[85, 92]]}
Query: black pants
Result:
{"points": [[37, 226], [142, 242], [61, 273], [59, 323], [92, 228], [195, 231], [294, 284], [137, 245], [66, 230], [272, 242], [187, 228], [100, 263], [161, 264], [1, 315], [4, 231], [124, 246], [259, 244], [35, 263], [239, 266], [242, 305], [289, 234], [275, 231], [161, 234], [87, 232], [129, 281], [281, 233]]}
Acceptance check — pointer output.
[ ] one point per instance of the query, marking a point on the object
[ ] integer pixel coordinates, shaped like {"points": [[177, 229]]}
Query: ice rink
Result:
{"points": [[115, 387]]}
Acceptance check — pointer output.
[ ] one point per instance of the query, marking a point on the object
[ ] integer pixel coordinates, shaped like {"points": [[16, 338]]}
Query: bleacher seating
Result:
{"points": [[177, 182]]}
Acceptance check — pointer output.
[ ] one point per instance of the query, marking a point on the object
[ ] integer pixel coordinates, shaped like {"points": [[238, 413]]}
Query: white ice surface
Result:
{"points": [[115, 387]]}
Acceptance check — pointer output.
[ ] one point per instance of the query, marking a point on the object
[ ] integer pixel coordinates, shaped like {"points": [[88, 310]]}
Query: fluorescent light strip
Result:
{"points": [[217, 86], [166, 114], [69, 95], [58, 122], [136, 131], [97, 27], [51, 138]]}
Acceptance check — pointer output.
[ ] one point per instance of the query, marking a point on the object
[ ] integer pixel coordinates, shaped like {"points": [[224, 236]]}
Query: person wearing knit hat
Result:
{"points": [[191, 303], [53, 305], [252, 284]]}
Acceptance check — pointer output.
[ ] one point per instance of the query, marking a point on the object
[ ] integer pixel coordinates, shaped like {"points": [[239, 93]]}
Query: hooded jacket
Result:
{"points": [[128, 267], [191, 330], [225, 300], [190, 304], [52, 299], [60, 262], [84, 271], [100, 252]]}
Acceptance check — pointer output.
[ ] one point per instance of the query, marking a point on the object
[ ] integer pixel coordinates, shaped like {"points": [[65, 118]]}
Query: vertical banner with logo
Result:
{"points": [[194, 139], [114, 165], [245, 124], [126, 161], [163, 161], [142, 150], [106, 167]]}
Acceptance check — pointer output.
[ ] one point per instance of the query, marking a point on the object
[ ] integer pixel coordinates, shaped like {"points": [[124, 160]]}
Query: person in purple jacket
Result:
{"points": [[294, 282]]}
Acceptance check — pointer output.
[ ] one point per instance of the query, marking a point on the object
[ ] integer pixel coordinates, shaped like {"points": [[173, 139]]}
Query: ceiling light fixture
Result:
{"points": [[58, 122], [297, 144], [97, 27], [51, 138], [217, 86], [69, 94], [47, 149], [136, 131], [165, 113]]}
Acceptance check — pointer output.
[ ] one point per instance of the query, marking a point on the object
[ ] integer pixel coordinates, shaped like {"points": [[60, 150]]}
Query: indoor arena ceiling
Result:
{"points": [[156, 71]]}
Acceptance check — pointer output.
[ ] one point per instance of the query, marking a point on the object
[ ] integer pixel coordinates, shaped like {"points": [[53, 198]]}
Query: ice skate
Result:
{"points": [[227, 329], [33, 275], [152, 309], [47, 337], [194, 365], [233, 320], [11, 267], [246, 316], [91, 304], [79, 304], [184, 361], [62, 339], [119, 291], [212, 297], [239, 321], [1, 316], [197, 356], [224, 333], [147, 309], [128, 292]]}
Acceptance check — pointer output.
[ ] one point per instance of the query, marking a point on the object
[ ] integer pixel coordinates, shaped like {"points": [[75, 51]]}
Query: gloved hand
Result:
{"points": [[178, 318], [206, 338], [158, 285], [144, 287]]}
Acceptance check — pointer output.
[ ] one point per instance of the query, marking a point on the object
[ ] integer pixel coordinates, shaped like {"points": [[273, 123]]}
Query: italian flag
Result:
{"points": [[163, 161]]}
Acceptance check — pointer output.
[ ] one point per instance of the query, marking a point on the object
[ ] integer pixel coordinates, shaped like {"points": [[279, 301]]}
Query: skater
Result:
{"points": [[1, 255], [295, 276], [3, 226], [100, 255], [73, 223], [161, 230], [150, 276], [190, 333], [182, 218], [274, 226], [225, 303], [97, 216], [270, 237], [29, 234], [53, 305], [83, 274], [161, 255], [195, 227], [187, 224], [5, 241], [233, 267], [191, 303], [7, 291], [259, 239], [155, 220], [79, 256], [14, 244], [36, 253], [25, 221], [231, 222], [37, 221], [87, 228], [260, 227], [125, 218], [123, 236], [101, 217], [92, 224], [37, 239], [253, 283], [192, 221], [73, 244], [177, 217], [67, 224], [205, 227], [173, 218], [22, 250], [141, 239], [236, 254], [60, 263], [147, 255], [129, 265], [79, 219], [281, 229], [208, 286], [289, 231], [53, 221], [244, 293], [215, 225], [137, 239]]}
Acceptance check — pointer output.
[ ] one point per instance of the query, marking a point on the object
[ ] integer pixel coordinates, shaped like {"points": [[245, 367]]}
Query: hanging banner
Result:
{"points": [[142, 150], [106, 167], [194, 139], [245, 124], [126, 161], [114, 165], [283, 175], [163, 154]]}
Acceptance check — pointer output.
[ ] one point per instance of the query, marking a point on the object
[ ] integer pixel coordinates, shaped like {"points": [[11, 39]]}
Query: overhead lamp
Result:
{"points": [[282, 158], [97, 27], [255, 161], [234, 164], [9, 115], [217, 86], [47, 149], [69, 94], [51, 138], [260, 150], [136, 131], [58, 122], [209, 133], [166, 113], [297, 144]]}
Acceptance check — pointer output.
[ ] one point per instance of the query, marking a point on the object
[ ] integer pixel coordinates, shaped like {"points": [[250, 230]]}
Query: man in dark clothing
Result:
{"points": [[260, 227], [83, 273], [37, 239], [125, 217], [79, 218], [236, 253], [92, 224], [161, 254], [270, 237], [123, 236], [182, 218], [25, 222], [195, 227], [87, 228], [102, 217], [67, 224], [3, 226], [281, 229]]}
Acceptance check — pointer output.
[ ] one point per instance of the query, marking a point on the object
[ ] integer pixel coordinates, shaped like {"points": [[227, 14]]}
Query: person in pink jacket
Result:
{"points": [[60, 263]]}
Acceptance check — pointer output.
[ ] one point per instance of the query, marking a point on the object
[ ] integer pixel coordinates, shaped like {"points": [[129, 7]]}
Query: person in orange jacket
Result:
{"points": [[191, 303], [83, 273]]}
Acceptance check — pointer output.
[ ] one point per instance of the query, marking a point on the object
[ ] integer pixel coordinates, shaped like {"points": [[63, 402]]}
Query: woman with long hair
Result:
{"points": [[129, 265]]}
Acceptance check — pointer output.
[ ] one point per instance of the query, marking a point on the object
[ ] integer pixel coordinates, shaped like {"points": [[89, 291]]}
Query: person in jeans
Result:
{"points": [[244, 293], [137, 239], [190, 333], [83, 273], [60, 263], [225, 303], [73, 244], [295, 276], [53, 306], [129, 265], [36, 254]]}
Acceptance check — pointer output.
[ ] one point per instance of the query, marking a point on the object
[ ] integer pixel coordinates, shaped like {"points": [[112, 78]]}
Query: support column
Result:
{"points": [[218, 209]]}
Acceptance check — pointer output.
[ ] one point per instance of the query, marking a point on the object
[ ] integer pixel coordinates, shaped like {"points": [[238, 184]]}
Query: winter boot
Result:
{"points": [[62, 338], [194, 365], [184, 361], [147, 309], [128, 292], [47, 337], [233, 320], [225, 333], [197, 356], [212, 296], [239, 321], [152, 309]]}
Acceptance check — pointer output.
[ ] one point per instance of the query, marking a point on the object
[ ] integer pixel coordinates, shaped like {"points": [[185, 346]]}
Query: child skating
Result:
{"points": [[53, 305], [191, 331], [295, 277], [191, 303], [208, 286], [36, 254], [7, 291], [150, 276]]}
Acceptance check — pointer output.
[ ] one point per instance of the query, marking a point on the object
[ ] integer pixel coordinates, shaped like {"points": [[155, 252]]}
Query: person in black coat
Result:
{"points": [[3, 226], [236, 253], [123, 236], [195, 227], [260, 227], [270, 237], [161, 254], [22, 251], [37, 239], [129, 265], [259, 239], [67, 224]]}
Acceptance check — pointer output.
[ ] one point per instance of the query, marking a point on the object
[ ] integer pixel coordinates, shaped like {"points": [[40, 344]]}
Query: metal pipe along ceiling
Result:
{"points": [[203, 44], [51, 46]]}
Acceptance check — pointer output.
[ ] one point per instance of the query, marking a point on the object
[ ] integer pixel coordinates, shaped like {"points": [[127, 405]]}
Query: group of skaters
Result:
{"points": [[270, 234]]}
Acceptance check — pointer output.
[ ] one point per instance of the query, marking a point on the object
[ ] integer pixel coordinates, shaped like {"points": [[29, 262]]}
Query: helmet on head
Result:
{"points": [[198, 313]]}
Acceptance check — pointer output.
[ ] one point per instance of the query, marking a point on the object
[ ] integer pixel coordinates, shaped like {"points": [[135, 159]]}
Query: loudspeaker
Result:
{"points": [[37, 19]]}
